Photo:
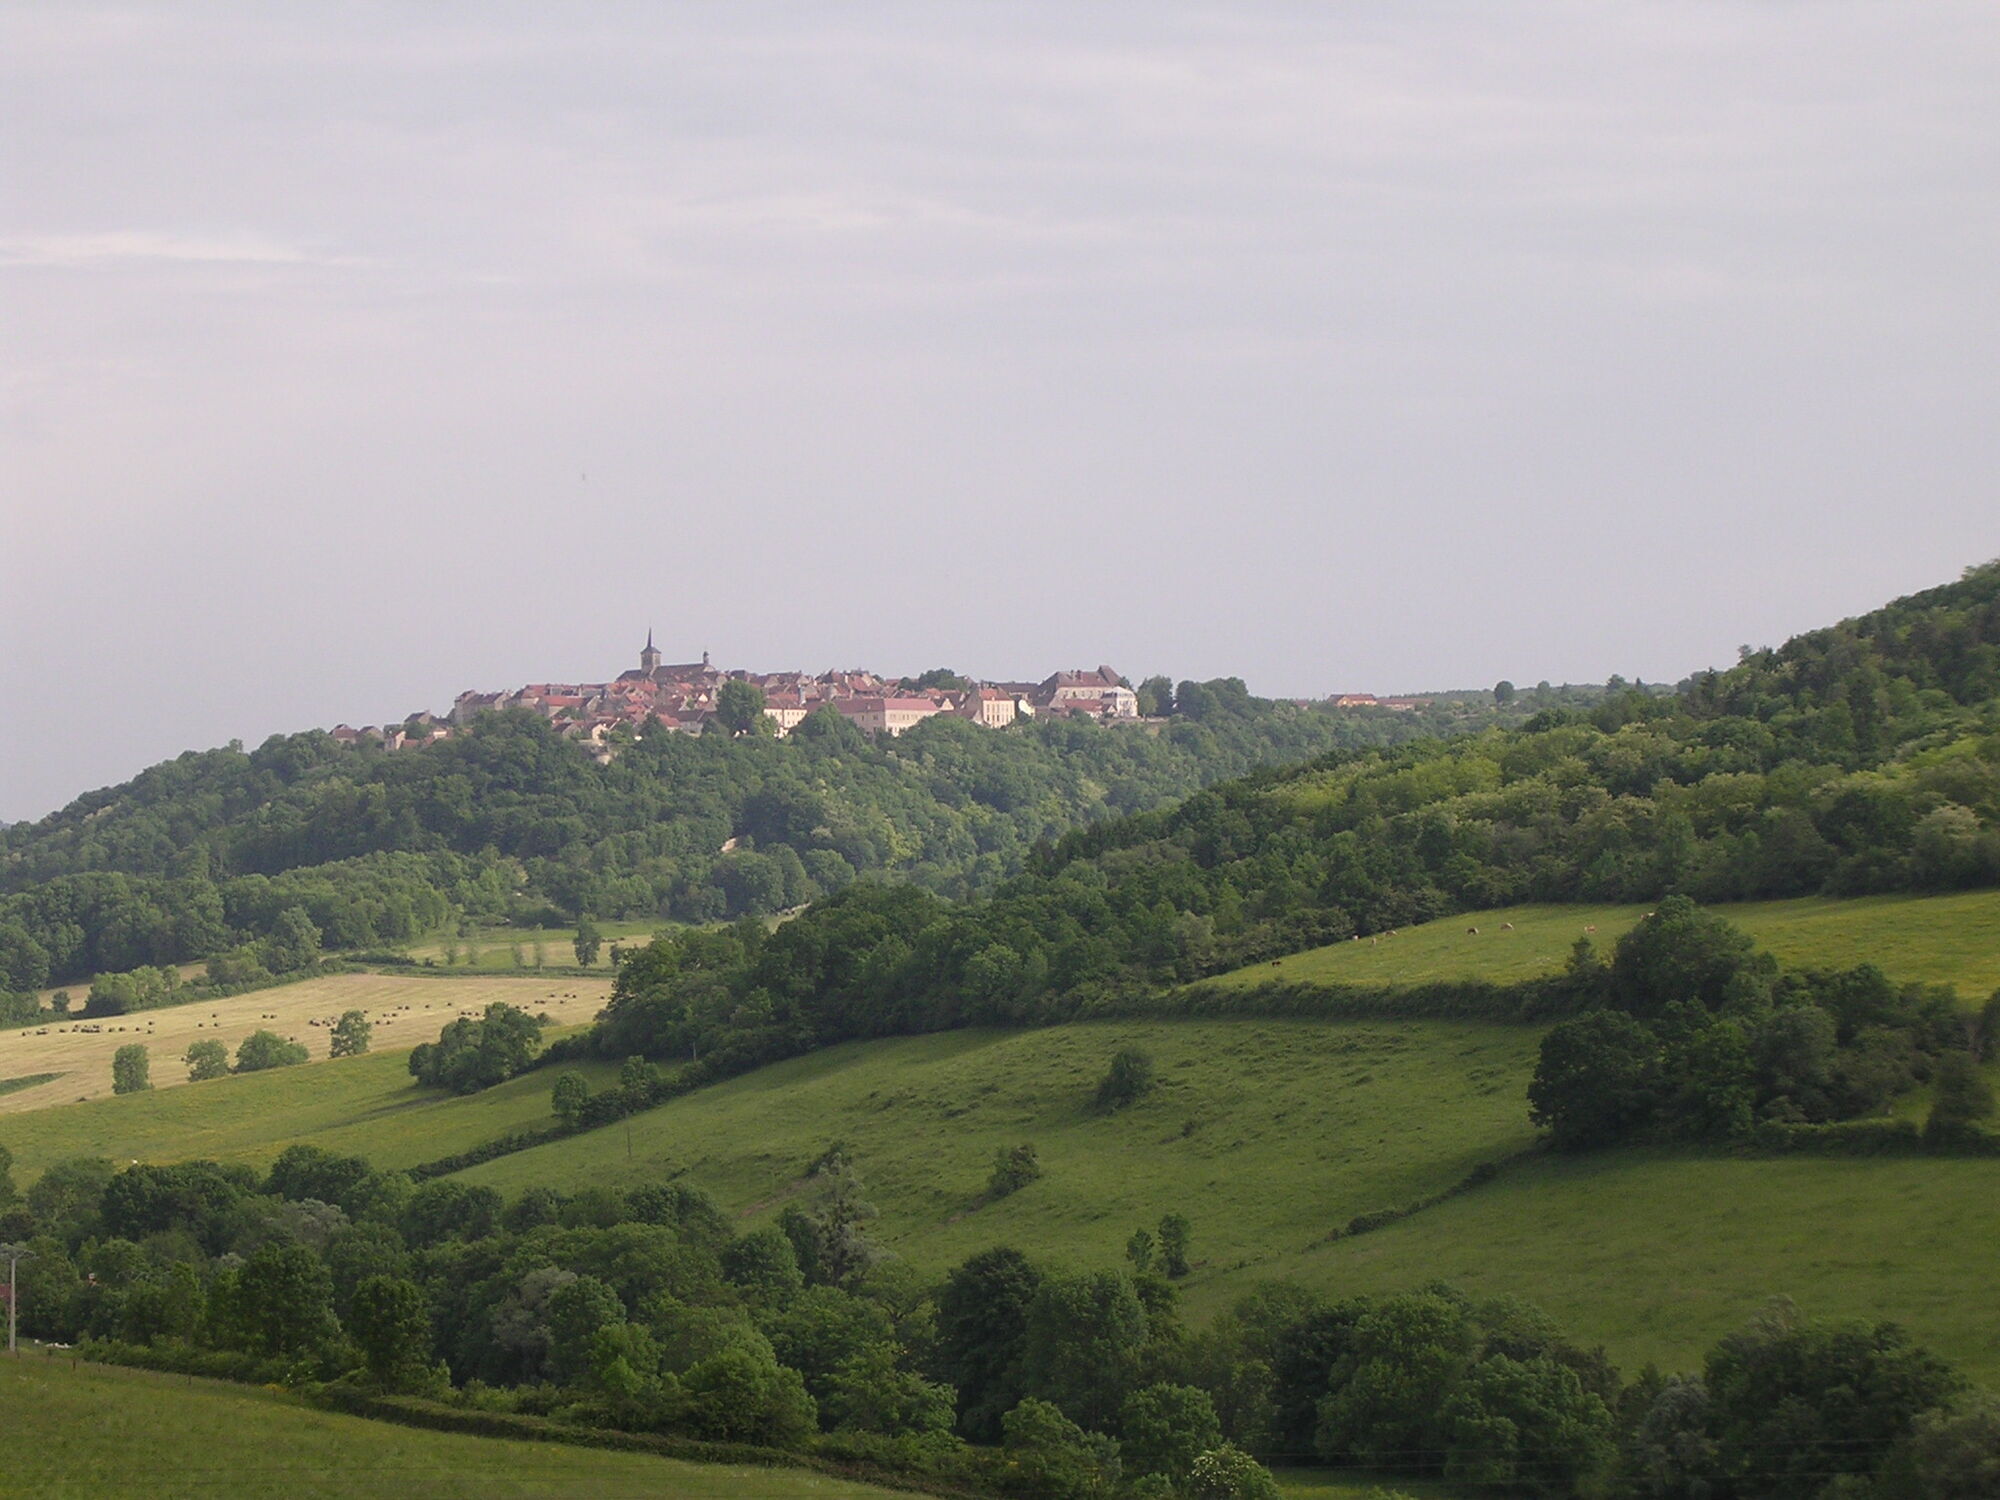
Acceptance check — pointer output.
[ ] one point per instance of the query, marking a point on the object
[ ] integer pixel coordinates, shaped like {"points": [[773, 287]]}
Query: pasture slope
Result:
{"points": [[1269, 1134], [100, 1431], [1272, 1134], [1951, 939], [366, 1106], [405, 1009]]}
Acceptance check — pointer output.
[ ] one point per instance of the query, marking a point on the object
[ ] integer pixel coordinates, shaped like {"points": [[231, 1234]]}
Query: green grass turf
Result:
{"points": [[1937, 939], [1658, 1255], [32, 1080], [1268, 1134], [1348, 1484], [495, 945], [94, 1431], [367, 1106]]}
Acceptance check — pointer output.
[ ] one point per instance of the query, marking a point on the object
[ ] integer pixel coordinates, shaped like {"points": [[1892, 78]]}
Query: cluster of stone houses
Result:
{"points": [[681, 697]]}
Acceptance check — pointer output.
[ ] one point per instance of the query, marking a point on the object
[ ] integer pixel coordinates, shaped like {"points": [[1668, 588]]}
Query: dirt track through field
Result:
{"points": [[405, 1011]]}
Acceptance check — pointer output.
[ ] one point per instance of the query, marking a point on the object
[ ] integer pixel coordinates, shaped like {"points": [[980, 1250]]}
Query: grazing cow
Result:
{"points": [[1506, 926], [1472, 932], [1590, 927]]}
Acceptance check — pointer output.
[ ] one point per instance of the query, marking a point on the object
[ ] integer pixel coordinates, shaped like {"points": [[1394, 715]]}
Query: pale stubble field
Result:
{"points": [[404, 1009]]}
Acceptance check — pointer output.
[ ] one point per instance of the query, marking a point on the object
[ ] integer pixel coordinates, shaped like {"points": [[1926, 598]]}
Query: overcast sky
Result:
{"points": [[354, 355]]}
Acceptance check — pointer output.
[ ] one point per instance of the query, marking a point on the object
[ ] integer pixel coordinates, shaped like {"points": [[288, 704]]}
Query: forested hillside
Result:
{"points": [[512, 822], [1857, 759]]}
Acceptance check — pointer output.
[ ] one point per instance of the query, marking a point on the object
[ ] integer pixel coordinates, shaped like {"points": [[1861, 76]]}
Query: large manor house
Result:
{"points": [[681, 698]]}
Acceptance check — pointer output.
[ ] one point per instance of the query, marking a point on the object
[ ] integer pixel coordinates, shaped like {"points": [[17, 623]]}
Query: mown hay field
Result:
{"points": [[1951, 940], [405, 1009], [91, 1431]]}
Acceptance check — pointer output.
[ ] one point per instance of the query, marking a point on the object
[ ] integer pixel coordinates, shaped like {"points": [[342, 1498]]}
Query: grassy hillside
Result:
{"points": [[1659, 1255], [1297, 1127], [1951, 939], [368, 1106], [403, 1008], [491, 949], [1267, 1134], [101, 1431]]}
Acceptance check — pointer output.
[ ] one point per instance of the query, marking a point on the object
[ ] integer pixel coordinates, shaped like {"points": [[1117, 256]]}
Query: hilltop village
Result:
{"points": [[683, 698]]}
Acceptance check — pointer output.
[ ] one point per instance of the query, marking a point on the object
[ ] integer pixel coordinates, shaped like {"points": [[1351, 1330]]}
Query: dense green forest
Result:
{"points": [[646, 1311], [512, 822]]}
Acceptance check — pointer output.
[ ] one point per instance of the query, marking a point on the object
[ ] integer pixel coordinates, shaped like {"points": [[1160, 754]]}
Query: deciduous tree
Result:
{"points": [[351, 1034], [131, 1069]]}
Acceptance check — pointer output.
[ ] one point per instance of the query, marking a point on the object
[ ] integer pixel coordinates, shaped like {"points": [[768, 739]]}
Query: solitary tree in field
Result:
{"points": [[206, 1059], [266, 1049], [588, 940], [351, 1034], [1129, 1076], [131, 1070], [1013, 1169]]}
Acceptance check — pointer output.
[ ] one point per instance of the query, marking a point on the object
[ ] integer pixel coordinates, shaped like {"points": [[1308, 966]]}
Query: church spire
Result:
{"points": [[649, 659]]}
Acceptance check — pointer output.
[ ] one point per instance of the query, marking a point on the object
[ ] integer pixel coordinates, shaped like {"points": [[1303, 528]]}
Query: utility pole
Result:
{"points": [[15, 1255]]}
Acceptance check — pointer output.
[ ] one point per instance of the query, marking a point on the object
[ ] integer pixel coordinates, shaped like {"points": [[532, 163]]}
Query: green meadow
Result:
{"points": [[1657, 1255], [1269, 1134], [368, 1106], [98, 1431], [492, 948], [1951, 940]]}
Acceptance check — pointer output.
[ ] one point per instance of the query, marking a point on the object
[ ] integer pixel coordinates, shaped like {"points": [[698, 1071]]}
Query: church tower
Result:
{"points": [[649, 659]]}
